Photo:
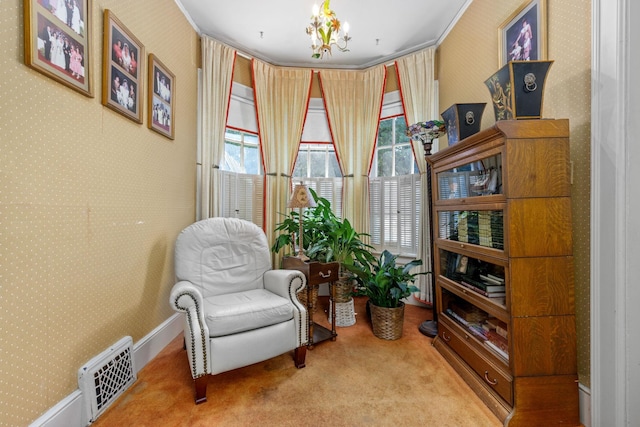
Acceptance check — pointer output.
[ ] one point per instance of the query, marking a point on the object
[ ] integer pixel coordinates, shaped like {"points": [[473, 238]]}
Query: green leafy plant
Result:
{"points": [[341, 243], [384, 282], [316, 223], [326, 238]]}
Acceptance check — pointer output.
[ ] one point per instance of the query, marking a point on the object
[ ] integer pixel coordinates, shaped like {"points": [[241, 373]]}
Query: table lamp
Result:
{"points": [[301, 198]]}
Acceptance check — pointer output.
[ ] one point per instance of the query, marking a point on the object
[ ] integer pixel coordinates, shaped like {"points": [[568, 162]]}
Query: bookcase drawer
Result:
{"points": [[500, 381]]}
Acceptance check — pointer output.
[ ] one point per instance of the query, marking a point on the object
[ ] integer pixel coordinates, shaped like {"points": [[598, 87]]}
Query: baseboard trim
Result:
{"points": [[151, 344], [69, 411], [584, 396]]}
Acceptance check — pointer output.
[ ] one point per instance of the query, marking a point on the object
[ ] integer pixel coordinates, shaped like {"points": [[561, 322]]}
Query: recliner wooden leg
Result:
{"points": [[201, 388], [299, 355]]}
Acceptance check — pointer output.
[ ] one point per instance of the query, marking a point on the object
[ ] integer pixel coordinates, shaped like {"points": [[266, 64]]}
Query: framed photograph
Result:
{"points": [[462, 264], [523, 36], [161, 93], [57, 41], [122, 75]]}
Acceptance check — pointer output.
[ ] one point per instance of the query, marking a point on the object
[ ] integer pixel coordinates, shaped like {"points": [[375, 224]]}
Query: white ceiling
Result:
{"points": [[381, 30]]}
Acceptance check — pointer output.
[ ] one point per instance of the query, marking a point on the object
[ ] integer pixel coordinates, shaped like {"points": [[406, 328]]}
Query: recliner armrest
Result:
{"points": [[186, 298], [287, 283], [184, 295], [284, 283]]}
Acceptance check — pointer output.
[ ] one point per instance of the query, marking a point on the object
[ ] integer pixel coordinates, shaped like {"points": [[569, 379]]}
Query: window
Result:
{"points": [[241, 183], [394, 155], [317, 166], [241, 152], [394, 191]]}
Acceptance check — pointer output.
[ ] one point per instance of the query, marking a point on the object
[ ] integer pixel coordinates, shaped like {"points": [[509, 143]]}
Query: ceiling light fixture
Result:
{"points": [[326, 31]]}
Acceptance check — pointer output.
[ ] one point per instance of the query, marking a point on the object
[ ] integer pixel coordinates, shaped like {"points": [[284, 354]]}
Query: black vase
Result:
{"points": [[462, 120], [517, 89]]}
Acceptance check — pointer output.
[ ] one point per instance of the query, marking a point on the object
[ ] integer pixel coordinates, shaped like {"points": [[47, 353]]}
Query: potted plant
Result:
{"points": [[316, 223], [342, 244], [327, 238], [385, 284]]}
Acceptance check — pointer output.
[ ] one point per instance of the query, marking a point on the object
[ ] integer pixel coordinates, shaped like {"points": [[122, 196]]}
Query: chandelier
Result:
{"points": [[326, 31]]}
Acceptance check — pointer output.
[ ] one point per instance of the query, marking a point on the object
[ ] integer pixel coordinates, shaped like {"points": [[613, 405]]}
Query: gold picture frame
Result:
{"points": [[57, 41], [122, 73], [161, 98], [523, 36]]}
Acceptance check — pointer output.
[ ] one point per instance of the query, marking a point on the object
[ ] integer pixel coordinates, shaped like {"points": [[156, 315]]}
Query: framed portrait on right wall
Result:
{"points": [[523, 36]]}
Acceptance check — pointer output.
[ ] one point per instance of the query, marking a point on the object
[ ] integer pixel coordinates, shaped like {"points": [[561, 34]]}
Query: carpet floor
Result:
{"points": [[357, 380]]}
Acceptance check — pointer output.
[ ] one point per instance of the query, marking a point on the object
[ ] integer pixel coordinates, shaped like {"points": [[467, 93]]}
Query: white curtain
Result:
{"points": [[282, 97], [353, 100], [217, 73], [417, 86]]}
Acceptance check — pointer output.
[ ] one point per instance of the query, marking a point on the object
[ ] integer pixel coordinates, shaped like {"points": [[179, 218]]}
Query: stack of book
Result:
{"points": [[475, 327], [468, 312], [496, 334], [489, 285]]}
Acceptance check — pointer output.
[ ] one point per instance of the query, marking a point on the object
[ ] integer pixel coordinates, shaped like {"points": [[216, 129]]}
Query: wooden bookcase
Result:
{"points": [[502, 217]]}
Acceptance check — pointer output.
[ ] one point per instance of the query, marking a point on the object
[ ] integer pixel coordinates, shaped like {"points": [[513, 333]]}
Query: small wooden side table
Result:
{"points": [[316, 273]]}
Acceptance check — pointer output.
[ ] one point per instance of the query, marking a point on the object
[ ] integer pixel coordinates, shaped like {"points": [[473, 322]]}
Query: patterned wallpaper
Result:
{"points": [[90, 205], [469, 55]]}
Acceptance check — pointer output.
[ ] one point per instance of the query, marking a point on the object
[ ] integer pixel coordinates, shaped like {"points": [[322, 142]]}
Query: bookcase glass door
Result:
{"points": [[488, 332], [484, 277], [478, 178], [479, 227]]}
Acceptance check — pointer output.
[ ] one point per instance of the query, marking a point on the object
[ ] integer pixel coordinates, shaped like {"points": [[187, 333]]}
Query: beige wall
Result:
{"points": [[90, 205], [469, 55]]}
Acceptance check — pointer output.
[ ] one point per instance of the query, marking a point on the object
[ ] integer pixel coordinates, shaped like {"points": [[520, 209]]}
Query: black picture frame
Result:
{"points": [[523, 36]]}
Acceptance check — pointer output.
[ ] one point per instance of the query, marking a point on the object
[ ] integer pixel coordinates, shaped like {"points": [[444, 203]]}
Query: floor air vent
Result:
{"points": [[105, 377]]}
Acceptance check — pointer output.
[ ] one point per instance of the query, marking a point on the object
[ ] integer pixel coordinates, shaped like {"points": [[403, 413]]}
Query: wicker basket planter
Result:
{"points": [[387, 322], [345, 313], [302, 297], [343, 289]]}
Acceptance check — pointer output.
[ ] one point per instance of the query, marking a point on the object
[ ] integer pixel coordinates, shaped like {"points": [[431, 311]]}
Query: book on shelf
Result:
{"points": [[498, 340], [492, 280], [495, 348], [489, 294], [499, 279], [475, 328], [468, 311], [492, 322], [482, 285], [502, 331]]}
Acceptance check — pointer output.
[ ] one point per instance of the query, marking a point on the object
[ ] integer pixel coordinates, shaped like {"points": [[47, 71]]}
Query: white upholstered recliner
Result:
{"points": [[238, 311]]}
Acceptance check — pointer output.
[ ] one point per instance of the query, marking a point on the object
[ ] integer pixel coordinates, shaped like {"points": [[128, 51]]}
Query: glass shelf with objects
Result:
{"points": [[482, 226], [487, 333], [473, 179], [481, 281]]}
